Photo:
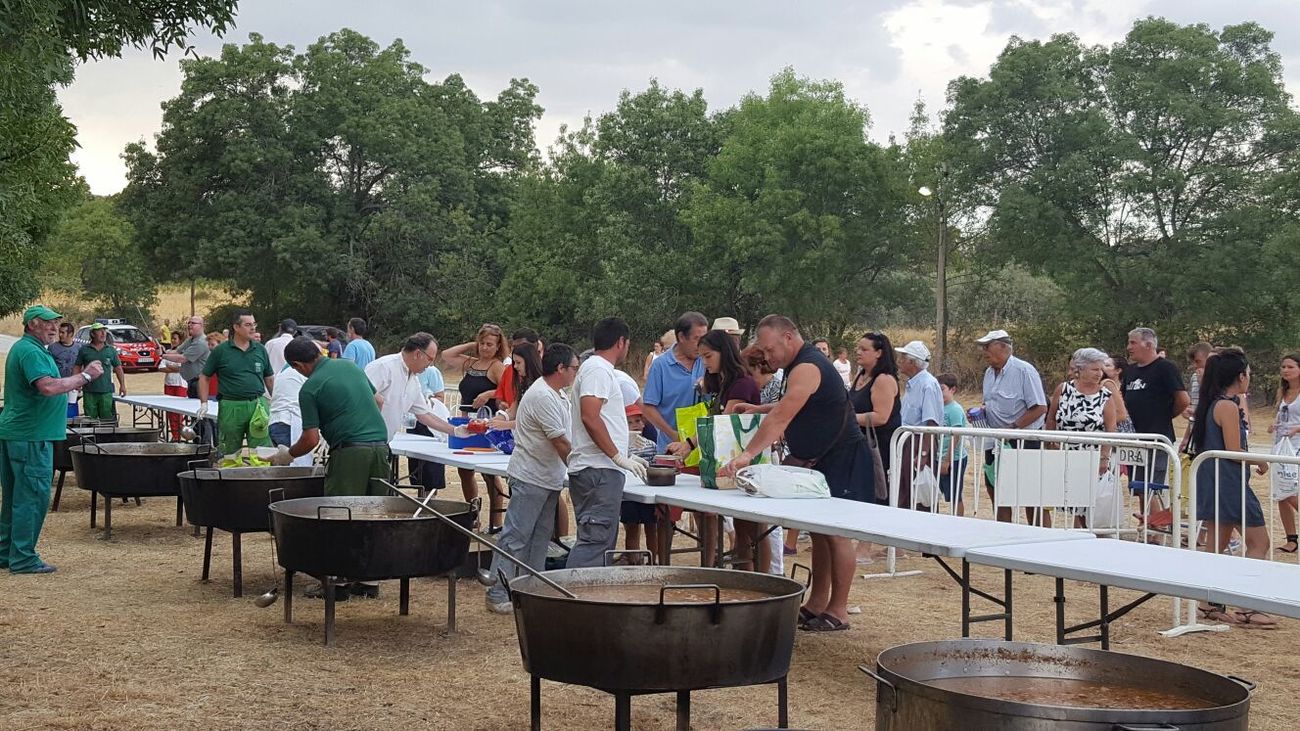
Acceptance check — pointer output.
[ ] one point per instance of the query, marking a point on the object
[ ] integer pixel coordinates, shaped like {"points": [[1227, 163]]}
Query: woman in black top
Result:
{"points": [[483, 364], [874, 392]]}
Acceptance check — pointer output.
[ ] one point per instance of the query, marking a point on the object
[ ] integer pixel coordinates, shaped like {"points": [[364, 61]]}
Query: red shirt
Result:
{"points": [[506, 388]]}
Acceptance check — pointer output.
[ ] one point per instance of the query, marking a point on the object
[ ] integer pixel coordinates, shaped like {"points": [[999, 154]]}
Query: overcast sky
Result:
{"points": [[582, 53]]}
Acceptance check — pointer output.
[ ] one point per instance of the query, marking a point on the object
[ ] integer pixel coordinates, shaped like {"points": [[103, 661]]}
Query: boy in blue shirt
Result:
{"points": [[952, 468]]}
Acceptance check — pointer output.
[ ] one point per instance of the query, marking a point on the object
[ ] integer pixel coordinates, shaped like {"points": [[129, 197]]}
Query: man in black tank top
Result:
{"points": [[821, 433]]}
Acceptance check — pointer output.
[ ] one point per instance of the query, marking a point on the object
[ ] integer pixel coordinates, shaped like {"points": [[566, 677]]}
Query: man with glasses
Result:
{"points": [[396, 379], [191, 354], [243, 368], [542, 433]]}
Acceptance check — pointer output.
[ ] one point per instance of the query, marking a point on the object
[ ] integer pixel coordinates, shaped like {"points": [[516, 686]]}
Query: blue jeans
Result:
{"points": [[597, 495], [530, 521], [280, 434]]}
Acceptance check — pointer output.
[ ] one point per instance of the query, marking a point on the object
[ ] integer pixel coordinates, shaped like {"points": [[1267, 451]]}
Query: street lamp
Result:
{"points": [[941, 291]]}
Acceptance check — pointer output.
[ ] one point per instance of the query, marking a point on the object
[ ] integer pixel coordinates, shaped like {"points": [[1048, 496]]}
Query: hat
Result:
{"points": [[728, 325], [632, 410], [995, 335], [97, 326], [917, 350], [40, 311]]}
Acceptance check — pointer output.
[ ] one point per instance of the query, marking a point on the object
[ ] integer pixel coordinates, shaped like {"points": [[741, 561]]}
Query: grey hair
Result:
{"points": [[1084, 357], [1146, 335], [922, 364]]}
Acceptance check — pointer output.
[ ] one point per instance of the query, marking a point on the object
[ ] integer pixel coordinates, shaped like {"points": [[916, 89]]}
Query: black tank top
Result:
{"points": [[861, 399], [472, 384], [825, 416]]}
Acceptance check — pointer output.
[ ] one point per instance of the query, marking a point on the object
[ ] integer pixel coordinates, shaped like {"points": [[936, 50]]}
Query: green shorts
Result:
{"points": [[349, 471], [99, 405], [232, 427]]}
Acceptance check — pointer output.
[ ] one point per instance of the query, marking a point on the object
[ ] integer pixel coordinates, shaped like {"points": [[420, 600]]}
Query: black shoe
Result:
{"points": [[365, 591], [493, 530], [341, 592]]}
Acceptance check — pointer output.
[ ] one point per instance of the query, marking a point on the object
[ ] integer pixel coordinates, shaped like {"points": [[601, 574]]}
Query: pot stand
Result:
{"points": [[108, 512], [404, 600], [623, 705], [236, 559]]}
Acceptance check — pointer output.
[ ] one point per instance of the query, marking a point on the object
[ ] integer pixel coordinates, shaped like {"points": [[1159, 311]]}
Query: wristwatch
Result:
{"points": [[86, 376]]}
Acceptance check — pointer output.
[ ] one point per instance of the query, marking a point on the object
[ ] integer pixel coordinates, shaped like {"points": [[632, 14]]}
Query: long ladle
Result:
{"points": [[486, 543]]}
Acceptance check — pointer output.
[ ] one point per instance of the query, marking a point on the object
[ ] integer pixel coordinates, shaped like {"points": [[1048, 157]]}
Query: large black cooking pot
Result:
{"points": [[101, 432], [368, 538], [950, 685], [134, 470], [235, 499], [660, 645]]}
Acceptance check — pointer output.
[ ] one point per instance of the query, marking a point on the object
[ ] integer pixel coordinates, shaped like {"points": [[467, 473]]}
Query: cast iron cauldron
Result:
{"points": [[101, 432], [134, 470], [362, 538], [907, 699], [656, 646], [235, 499]]}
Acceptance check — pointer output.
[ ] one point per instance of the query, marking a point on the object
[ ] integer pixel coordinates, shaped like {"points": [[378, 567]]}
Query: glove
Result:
{"points": [[633, 464], [202, 413], [282, 457], [461, 432]]}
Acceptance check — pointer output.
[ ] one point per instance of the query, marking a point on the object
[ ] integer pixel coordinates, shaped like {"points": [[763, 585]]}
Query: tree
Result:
{"points": [[1129, 174], [94, 249], [39, 41]]}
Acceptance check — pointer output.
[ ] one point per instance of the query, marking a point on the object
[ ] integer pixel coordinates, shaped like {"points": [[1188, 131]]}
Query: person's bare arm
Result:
{"points": [[458, 355], [804, 381], [270, 384], [883, 392], [49, 386], [1053, 404], [307, 442], [652, 415], [120, 372], [589, 407], [1031, 416], [203, 388], [562, 447], [1182, 400]]}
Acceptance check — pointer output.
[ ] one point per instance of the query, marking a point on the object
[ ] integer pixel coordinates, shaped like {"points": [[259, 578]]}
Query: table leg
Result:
{"points": [[1006, 578], [965, 598], [1104, 592], [1060, 610]]}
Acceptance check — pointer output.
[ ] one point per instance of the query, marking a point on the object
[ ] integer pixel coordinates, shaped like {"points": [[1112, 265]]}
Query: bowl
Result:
{"points": [[660, 476]]}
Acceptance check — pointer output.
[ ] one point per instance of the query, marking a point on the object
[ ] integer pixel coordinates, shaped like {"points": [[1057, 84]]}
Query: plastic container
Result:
{"points": [[476, 440]]}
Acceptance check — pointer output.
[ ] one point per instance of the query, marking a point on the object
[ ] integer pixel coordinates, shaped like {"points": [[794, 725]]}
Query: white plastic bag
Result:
{"points": [[1105, 511], [925, 488], [782, 481], [1284, 477]]}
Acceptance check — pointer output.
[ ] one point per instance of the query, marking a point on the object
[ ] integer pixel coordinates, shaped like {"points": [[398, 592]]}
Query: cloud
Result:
{"points": [[582, 53]]}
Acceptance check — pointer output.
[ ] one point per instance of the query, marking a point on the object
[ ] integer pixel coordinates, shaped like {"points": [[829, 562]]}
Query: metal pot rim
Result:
{"points": [[284, 508], [724, 578], [1050, 712]]}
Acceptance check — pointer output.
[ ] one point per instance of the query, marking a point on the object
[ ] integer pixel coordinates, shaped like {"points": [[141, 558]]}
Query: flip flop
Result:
{"points": [[1246, 619], [824, 623], [1217, 613]]}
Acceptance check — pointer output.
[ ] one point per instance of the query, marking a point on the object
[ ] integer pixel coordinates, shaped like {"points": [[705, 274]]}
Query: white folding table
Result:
{"points": [[152, 408], [1265, 586]]}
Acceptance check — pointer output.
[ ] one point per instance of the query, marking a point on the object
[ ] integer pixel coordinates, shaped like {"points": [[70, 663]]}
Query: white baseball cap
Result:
{"points": [[995, 335], [917, 350]]}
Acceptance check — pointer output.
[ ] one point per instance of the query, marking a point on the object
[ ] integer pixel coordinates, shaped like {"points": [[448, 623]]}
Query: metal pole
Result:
{"points": [[941, 293]]}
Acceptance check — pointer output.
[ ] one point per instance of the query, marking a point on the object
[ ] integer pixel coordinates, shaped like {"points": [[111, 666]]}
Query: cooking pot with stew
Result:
{"points": [[1020, 686]]}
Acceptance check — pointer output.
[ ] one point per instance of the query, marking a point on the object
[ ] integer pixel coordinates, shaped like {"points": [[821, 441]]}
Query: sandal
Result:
{"points": [[1217, 613], [805, 616], [1293, 546], [1251, 619], [824, 623]]}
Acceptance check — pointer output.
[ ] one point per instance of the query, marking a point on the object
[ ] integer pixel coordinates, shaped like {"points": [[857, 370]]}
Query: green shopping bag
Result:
{"points": [[721, 439], [687, 417]]}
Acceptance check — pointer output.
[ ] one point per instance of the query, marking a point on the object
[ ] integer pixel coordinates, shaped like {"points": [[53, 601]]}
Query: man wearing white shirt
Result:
{"points": [[396, 379], [286, 414], [543, 420], [275, 346], [600, 439]]}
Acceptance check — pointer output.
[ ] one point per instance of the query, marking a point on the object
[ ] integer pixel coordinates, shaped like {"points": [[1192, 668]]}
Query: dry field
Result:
{"points": [[125, 636]]}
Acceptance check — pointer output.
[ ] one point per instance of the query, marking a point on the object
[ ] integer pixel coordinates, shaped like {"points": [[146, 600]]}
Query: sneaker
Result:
{"points": [[365, 591], [504, 607], [1234, 546], [41, 569]]}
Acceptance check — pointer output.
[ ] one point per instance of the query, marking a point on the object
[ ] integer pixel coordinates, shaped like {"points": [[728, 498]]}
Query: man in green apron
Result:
{"points": [[97, 397], [338, 402], [243, 370], [34, 417]]}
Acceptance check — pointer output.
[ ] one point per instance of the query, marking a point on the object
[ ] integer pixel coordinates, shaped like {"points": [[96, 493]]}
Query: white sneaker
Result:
{"points": [[499, 607]]}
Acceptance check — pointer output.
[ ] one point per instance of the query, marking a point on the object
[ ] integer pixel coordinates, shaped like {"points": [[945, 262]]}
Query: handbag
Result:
{"points": [[877, 465], [721, 439]]}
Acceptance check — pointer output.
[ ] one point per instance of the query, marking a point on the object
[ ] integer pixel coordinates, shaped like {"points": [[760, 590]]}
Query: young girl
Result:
{"points": [[1219, 426], [1287, 426]]}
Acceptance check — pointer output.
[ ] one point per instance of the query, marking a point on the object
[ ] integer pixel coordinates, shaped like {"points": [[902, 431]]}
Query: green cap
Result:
{"points": [[97, 326], [40, 311]]}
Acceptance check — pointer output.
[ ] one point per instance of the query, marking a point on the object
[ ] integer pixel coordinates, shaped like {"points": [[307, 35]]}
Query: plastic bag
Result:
{"points": [[721, 439], [1105, 511], [686, 427], [1284, 477], [925, 488], [782, 481], [259, 424]]}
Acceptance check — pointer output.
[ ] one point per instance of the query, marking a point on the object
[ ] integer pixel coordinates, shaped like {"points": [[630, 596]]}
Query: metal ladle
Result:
{"points": [[265, 600], [486, 543]]}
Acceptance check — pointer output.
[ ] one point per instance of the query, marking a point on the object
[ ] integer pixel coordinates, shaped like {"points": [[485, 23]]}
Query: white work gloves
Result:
{"points": [[633, 464], [461, 432], [202, 413], [282, 458]]}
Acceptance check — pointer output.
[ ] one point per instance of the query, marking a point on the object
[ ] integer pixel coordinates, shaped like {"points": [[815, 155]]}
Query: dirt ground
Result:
{"points": [[125, 636]]}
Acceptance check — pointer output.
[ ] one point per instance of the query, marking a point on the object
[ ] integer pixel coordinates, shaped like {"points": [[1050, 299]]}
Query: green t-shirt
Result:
{"points": [[28, 416], [106, 355], [241, 373], [339, 400]]}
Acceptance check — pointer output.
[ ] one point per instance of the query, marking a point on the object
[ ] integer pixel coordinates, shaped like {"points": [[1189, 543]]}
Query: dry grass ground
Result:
{"points": [[125, 636]]}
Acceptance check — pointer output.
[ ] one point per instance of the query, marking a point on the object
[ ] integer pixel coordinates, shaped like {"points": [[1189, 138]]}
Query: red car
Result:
{"points": [[139, 352]]}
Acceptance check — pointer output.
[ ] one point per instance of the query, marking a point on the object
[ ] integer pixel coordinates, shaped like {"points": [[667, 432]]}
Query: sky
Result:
{"points": [[583, 53]]}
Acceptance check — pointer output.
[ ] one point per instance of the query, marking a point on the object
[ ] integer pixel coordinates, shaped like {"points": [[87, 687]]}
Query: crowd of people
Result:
{"points": [[579, 420]]}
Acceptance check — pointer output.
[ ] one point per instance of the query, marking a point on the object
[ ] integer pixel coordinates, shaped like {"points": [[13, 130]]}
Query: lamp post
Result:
{"points": [[941, 291]]}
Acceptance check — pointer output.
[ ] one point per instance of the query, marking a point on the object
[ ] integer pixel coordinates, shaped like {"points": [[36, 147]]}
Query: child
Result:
{"points": [[952, 467], [631, 514]]}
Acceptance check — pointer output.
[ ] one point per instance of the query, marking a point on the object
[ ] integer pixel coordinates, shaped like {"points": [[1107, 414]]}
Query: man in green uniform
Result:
{"points": [[34, 417], [97, 397], [338, 402], [243, 370]]}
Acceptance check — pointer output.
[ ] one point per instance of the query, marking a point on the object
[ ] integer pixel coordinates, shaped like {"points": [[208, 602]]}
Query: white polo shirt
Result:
{"points": [[400, 389]]}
